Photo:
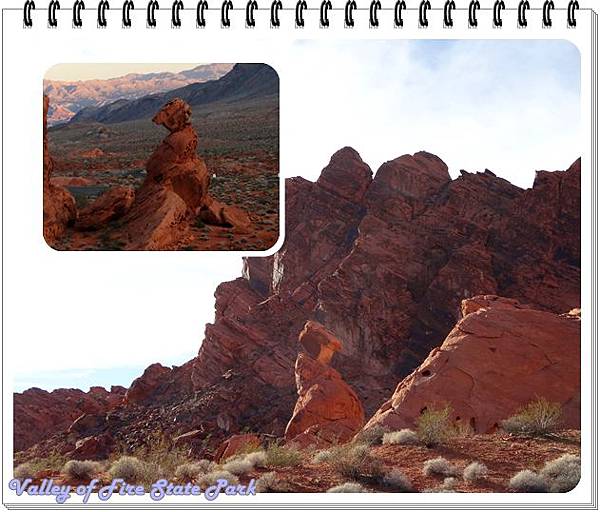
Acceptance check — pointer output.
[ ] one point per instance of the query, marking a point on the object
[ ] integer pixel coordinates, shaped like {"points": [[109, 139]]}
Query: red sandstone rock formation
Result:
{"points": [[59, 205], [327, 410], [500, 356], [39, 414], [175, 190], [176, 184], [111, 205], [386, 271], [143, 387], [383, 264], [234, 444]]}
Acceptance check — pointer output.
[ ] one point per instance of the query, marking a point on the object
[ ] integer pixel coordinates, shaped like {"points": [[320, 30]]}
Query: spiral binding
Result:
{"points": [[326, 6]]}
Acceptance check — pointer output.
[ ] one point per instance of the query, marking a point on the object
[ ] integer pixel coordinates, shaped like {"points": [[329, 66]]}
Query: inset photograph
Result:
{"points": [[161, 157]]}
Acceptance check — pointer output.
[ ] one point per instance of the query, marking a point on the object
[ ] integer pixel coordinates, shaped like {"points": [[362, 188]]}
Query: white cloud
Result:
{"points": [[510, 106]]}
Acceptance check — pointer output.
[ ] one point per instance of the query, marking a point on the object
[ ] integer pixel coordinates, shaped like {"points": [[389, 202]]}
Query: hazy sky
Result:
{"points": [[509, 106], [73, 72]]}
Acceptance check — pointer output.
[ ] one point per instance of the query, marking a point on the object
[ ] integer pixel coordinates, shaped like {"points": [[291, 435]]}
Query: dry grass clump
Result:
{"points": [[537, 418], [449, 483], [322, 456], [373, 436], [238, 466], [398, 480], [213, 477], [439, 466], [404, 436], [282, 456], [348, 487], [474, 472], [528, 481], [270, 482], [562, 474], [434, 426], [81, 469], [23, 471], [188, 471], [258, 459], [355, 461], [128, 468]]}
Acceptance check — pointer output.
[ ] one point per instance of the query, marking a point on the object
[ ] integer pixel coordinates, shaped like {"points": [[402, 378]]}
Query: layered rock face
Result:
{"points": [[111, 205], [60, 210], [384, 264], [39, 414], [327, 410], [381, 263], [499, 356]]}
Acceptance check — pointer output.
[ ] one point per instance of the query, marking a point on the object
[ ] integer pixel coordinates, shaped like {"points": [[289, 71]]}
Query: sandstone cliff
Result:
{"points": [[383, 263], [500, 356]]}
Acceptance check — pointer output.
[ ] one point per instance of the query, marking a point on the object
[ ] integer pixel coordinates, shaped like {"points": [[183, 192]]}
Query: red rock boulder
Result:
{"points": [[141, 389], [235, 444], [111, 205], [327, 410], [499, 356], [93, 448]]}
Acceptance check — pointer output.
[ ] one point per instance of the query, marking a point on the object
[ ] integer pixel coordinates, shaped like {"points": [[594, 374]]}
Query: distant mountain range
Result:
{"points": [[69, 97], [243, 82]]}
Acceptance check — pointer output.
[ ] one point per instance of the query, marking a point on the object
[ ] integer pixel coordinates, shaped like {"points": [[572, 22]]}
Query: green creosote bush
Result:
{"points": [[537, 418], [278, 456], [434, 426], [355, 461]]}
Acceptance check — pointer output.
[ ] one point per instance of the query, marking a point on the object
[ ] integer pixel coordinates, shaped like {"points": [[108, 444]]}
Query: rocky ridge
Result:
{"points": [[382, 263]]}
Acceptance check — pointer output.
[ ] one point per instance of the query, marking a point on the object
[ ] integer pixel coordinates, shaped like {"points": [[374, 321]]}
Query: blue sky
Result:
{"points": [[509, 106]]}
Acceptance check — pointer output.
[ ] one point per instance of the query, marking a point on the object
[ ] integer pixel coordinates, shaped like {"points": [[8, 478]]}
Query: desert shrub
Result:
{"points": [[130, 469], [269, 482], [398, 480], [449, 483], [257, 459], [208, 479], [23, 471], [188, 471], [539, 417], [562, 474], [439, 466], [53, 462], [238, 466], [278, 456], [81, 469], [322, 456], [404, 436], [348, 487], [355, 461], [528, 481], [371, 436], [475, 471], [160, 456], [434, 426]]}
